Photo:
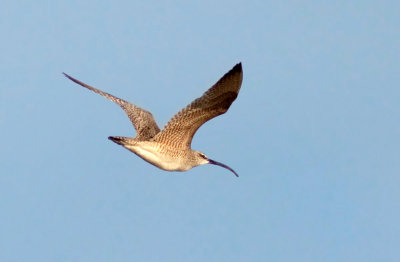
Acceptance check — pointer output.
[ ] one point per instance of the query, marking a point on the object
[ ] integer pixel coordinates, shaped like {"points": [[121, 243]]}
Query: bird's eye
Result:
{"points": [[203, 155]]}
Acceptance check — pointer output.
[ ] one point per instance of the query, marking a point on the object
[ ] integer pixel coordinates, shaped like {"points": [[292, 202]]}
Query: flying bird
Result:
{"points": [[170, 148]]}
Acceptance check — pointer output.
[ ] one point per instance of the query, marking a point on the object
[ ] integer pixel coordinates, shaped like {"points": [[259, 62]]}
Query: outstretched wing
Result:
{"points": [[142, 120], [180, 129]]}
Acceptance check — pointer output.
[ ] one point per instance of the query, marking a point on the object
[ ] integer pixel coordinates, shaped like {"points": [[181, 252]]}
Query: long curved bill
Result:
{"points": [[213, 162]]}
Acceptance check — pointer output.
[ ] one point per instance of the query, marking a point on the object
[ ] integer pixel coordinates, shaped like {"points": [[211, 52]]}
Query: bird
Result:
{"points": [[170, 148]]}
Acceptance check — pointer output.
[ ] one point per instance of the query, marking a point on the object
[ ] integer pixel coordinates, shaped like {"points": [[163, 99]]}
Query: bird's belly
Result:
{"points": [[160, 160]]}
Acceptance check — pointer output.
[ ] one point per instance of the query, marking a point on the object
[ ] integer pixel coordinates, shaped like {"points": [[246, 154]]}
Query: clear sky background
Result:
{"points": [[314, 133]]}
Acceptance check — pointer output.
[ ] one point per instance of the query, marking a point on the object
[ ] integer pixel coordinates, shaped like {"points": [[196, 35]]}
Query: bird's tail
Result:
{"points": [[120, 140]]}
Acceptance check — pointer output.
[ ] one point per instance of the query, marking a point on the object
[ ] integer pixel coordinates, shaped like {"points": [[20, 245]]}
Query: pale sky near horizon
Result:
{"points": [[313, 134]]}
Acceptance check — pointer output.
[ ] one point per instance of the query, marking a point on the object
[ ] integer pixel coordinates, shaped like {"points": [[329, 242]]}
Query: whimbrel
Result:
{"points": [[170, 148]]}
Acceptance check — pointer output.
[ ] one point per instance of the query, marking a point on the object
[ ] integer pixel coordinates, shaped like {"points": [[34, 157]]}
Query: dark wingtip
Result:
{"points": [[77, 81], [237, 68], [66, 75], [71, 78]]}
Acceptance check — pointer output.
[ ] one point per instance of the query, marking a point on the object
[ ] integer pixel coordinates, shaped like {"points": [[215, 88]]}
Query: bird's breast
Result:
{"points": [[169, 160]]}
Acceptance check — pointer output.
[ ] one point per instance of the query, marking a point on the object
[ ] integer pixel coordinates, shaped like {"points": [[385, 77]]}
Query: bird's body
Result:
{"points": [[163, 156], [169, 149]]}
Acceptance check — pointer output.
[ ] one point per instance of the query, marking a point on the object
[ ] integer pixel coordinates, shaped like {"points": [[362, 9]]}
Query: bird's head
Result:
{"points": [[202, 159]]}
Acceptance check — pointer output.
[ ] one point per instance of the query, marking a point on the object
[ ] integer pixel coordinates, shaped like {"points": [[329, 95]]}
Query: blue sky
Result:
{"points": [[314, 133]]}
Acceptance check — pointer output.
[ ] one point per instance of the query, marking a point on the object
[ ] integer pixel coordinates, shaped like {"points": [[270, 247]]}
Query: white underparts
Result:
{"points": [[159, 160]]}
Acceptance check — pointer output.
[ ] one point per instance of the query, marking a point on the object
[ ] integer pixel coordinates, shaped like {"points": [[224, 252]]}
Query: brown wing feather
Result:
{"points": [[180, 130], [142, 120]]}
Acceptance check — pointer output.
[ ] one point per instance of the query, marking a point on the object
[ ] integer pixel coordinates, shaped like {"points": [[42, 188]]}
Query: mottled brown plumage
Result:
{"points": [[142, 120], [214, 102], [169, 149]]}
